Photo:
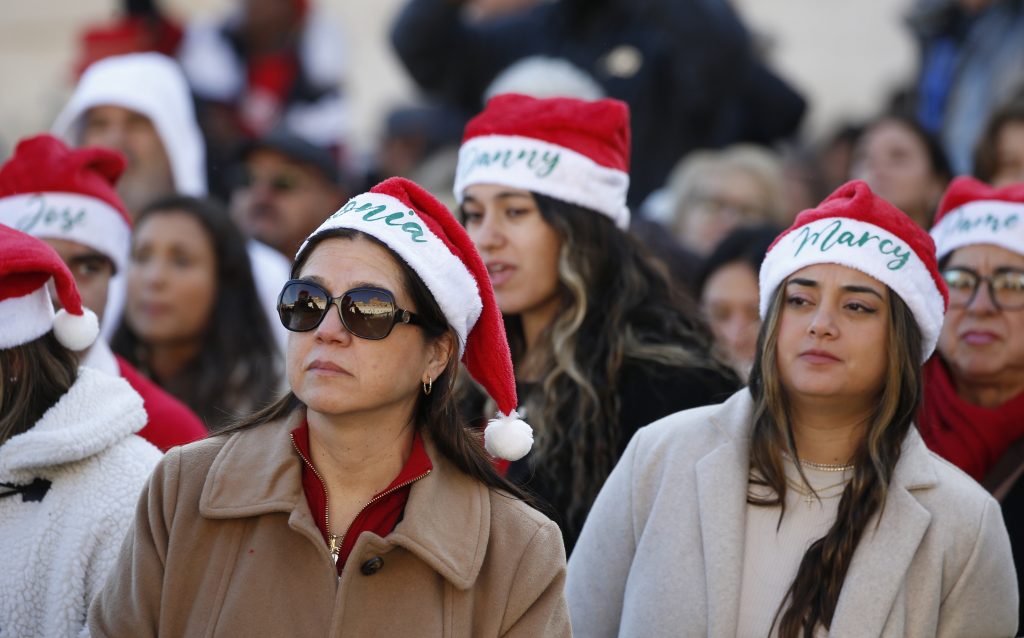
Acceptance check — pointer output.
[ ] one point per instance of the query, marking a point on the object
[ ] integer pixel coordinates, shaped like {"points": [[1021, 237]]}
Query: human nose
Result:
{"points": [[982, 302], [332, 328], [822, 323], [490, 233]]}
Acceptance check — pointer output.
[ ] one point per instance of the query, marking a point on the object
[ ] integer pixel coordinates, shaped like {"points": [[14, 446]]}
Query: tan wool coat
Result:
{"points": [[661, 553], [224, 545]]}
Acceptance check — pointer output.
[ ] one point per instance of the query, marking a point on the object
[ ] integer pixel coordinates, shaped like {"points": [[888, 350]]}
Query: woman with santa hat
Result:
{"points": [[70, 464], [973, 409], [358, 504], [807, 504], [602, 340]]}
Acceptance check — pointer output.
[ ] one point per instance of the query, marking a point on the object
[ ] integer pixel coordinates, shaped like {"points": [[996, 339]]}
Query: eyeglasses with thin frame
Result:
{"points": [[367, 312], [278, 183], [1005, 287]]}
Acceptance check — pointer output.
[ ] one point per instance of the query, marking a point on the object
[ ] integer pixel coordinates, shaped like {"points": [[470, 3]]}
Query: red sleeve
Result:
{"points": [[170, 422]]}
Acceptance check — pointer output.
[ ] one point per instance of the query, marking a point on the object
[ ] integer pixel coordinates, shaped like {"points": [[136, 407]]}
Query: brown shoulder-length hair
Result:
{"points": [[436, 415], [812, 596], [33, 377]]}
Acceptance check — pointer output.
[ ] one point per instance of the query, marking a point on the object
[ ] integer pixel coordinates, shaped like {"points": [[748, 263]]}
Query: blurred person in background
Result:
{"points": [[729, 294], [140, 105], [602, 341], [807, 504], [999, 157], [359, 503], [971, 63], [715, 192], [71, 466], [903, 163], [287, 186], [265, 65], [973, 410], [66, 198], [687, 70], [192, 322]]}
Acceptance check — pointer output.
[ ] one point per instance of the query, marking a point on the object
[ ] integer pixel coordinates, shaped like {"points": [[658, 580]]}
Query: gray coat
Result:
{"points": [[661, 552]]}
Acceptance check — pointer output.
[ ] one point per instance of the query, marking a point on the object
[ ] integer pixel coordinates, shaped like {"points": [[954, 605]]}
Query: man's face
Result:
{"points": [[280, 201], [92, 271], [149, 173]]}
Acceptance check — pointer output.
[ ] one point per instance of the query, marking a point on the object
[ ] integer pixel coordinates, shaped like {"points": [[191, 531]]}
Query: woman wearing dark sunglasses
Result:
{"points": [[358, 504], [602, 341], [973, 411]]}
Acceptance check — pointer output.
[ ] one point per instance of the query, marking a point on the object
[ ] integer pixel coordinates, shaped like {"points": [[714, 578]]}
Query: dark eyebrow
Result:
{"points": [[810, 283], [500, 195]]}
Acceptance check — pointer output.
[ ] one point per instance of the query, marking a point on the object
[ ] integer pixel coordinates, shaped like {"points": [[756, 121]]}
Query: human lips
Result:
{"points": [[818, 357], [500, 272], [979, 337], [321, 366]]}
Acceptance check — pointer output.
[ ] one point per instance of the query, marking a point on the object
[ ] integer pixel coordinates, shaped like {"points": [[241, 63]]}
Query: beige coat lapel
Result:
{"points": [[721, 497], [883, 557]]}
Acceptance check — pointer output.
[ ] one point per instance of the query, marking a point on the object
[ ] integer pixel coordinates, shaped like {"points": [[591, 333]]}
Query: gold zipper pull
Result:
{"points": [[332, 545]]}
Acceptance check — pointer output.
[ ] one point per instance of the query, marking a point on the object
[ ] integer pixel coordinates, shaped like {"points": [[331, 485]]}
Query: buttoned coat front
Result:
{"points": [[224, 545], [661, 553]]}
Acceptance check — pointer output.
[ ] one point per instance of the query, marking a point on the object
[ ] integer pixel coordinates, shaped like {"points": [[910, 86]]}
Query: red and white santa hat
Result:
{"points": [[569, 149], [855, 228], [26, 312], [972, 212], [51, 191], [425, 234]]}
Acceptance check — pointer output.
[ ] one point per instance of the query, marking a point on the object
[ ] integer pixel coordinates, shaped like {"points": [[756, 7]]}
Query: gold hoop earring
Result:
{"points": [[428, 387]]}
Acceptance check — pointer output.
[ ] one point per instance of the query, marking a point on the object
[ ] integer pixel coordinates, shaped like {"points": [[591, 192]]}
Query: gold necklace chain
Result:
{"points": [[824, 467], [810, 495]]}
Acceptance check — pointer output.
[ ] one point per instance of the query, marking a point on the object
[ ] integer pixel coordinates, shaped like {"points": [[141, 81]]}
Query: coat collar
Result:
{"points": [[881, 559], [447, 517]]}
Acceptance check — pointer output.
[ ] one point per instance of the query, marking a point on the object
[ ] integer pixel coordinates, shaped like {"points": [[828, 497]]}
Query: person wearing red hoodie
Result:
{"points": [[67, 198]]}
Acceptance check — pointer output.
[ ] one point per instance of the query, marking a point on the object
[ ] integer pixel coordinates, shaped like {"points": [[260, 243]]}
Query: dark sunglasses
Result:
{"points": [[1005, 287], [368, 313]]}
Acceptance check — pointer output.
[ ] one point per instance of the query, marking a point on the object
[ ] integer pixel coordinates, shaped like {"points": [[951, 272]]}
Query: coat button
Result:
{"points": [[372, 566]]}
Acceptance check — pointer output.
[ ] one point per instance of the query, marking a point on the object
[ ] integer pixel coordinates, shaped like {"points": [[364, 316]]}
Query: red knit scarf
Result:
{"points": [[971, 437]]}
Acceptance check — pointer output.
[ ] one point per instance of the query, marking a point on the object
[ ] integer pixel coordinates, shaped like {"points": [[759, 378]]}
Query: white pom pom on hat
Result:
{"points": [[26, 312], [427, 237]]}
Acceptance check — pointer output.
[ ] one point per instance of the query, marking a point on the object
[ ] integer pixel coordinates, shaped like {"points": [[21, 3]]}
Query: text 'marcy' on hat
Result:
{"points": [[427, 237], [26, 312], [856, 228], [972, 212], [565, 148], [54, 192]]}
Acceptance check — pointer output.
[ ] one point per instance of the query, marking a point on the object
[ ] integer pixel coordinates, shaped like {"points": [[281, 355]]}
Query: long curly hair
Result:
{"points": [[812, 596], [618, 306], [237, 367]]}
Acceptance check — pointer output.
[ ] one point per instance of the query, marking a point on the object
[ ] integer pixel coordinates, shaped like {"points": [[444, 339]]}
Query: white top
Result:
{"points": [[772, 552]]}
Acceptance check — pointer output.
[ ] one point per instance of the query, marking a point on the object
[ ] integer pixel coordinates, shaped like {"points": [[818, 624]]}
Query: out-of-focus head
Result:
{"points": [[999, 155], [904, 164], [565, 148], [541, 77], [287, 188], [399, 225], [979, 236], [717, 191], [729, 293], [139, 104], [26, 312], [67, 198]]}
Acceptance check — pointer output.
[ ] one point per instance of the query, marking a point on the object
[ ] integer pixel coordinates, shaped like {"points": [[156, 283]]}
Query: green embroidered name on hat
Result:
{"points": [[373, 212], [962, 222], [834, 235], [541, 163], [43, 214]]}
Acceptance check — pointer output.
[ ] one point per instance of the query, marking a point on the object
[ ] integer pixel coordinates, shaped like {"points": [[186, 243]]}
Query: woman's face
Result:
{"points": [[730, 302], [1009, 154], [519, 248], [833, 335], [335, 373], [172, 279], [894, 162], [980, 342], [727, 199]]}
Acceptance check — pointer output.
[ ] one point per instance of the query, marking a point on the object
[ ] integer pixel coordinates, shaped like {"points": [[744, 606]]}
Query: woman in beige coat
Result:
{"points": [[806, 504], [358, 505]]}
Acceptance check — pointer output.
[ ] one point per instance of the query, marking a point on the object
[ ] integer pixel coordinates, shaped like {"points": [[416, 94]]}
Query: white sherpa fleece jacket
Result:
{"points": [[55, 551]]}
